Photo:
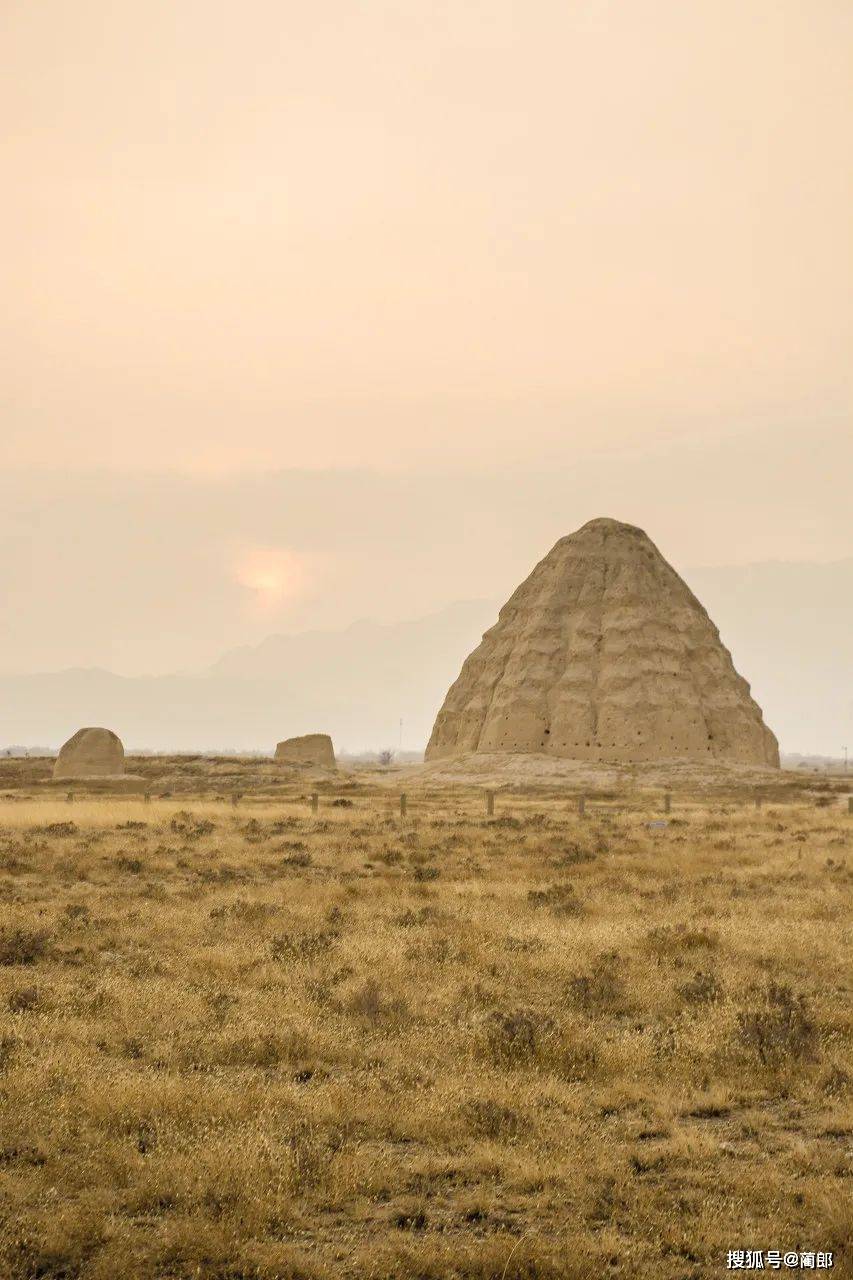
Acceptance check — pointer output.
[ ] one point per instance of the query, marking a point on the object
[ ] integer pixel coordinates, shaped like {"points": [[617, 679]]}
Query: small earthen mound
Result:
{"points": [[91, 753], [311, 749]]}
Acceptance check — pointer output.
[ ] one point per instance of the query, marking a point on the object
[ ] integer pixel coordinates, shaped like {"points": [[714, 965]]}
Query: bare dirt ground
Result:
{"points": [[250, 1040]]}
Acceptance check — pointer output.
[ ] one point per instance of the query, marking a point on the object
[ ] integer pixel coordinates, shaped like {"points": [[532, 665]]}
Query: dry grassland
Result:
{"points": [[258, 1043]]}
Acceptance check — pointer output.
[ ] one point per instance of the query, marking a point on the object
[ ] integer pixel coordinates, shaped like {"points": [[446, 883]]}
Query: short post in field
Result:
{"points": [[70, 797], [581, 806], [403, 804], [490, 804], [315, 802], [850, 804], [667, 802]]}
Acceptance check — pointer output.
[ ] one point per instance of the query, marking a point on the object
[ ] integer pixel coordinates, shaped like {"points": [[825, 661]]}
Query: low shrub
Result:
{"points": [[19, 945], [560, 899], [777, 1026]]}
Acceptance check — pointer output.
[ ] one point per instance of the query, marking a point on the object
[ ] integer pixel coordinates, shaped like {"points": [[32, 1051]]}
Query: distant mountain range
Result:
{"points": [[357, 684], [788, 626]]}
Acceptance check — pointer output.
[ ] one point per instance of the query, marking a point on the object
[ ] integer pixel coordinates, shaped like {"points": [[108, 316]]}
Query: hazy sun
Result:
{"points": [[272, 574]]}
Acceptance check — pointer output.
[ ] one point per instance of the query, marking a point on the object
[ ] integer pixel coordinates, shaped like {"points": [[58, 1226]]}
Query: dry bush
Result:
{"points": [[516, 1037], [776, 1026], [703, 988], [561, 899], [370, 1002], [489, 1119], [23, 999], [191, 827], [22, 945], [57, 830], [244, 911], [671, 940], [602, 988], [305, 946]]}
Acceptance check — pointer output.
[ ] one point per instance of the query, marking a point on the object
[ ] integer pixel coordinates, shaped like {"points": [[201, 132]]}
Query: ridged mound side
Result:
{"points": [[603, 653]]}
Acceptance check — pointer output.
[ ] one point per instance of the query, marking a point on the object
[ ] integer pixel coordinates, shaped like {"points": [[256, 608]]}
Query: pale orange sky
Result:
{"points": [[397, 234], [536, 261]]}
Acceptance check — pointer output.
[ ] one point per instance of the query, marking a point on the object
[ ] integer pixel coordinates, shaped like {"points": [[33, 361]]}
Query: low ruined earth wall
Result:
{"points": [[309, 749]]}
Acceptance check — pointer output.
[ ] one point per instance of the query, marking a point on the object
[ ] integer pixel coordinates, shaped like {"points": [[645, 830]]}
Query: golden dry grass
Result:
{"points": [[258, 1043]]}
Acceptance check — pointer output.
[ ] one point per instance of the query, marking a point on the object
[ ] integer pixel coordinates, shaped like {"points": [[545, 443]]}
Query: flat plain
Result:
{"points": [[255, 1041]]}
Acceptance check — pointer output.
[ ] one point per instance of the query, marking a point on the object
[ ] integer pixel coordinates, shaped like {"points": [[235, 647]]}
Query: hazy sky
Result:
{"points": [[318, 310]]}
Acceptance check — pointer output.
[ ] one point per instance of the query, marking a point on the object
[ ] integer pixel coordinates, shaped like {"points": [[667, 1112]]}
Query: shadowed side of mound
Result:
{"points": [[90, 753]]}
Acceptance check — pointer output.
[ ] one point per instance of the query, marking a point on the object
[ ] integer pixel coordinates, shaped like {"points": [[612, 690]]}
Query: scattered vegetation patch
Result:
{"points": [[602, 988], [672, 940], [23, 999], [22, 945], [186, 824], [370, 1002], [489, 1119], [303, 946], [245, 911], [776, 1026], [559, 899], [702, 988], [133, 866], [515, 1037], [57, 830]]}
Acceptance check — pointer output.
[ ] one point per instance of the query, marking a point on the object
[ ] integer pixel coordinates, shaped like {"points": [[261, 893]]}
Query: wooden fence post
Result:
{"points": [[581, 806], [315, 802], [490, 804], [667, 802], [403, 805]]}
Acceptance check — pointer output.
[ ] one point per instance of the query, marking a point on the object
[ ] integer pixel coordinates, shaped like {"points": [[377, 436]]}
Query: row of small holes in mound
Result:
{"points": [[613, 745]]}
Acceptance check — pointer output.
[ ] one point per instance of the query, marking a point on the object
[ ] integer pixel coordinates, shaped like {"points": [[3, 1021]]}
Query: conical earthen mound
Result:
{"points": [[605, 654]]}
